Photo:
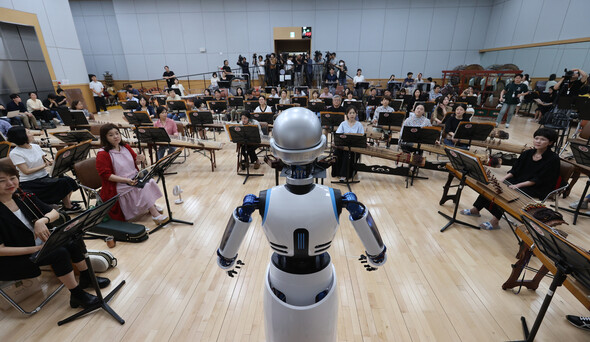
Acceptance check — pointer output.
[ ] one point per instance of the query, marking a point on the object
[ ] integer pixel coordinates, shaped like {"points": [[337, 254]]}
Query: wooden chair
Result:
{"points": [[88, 180], [566, 170]]}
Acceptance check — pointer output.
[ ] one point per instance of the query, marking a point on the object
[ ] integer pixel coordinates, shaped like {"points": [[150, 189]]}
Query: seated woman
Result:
{"points": [[250, 151], [416, 120], [79, 105], [439, 115], [535, 173], [23, 230], [145, 107], [35, 106], [179, 86], [170, 127], [262, 106], [544, 104], [31, 162], [412, 101], [116, 164], [350, 125], [284, 98], [451, 126]]}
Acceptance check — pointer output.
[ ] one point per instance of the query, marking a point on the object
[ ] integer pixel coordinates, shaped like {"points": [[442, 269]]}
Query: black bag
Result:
{"points": [[121, 231]]}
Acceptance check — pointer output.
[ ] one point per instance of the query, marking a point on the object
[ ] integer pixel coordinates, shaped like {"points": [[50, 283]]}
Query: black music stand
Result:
{"points": [[73, 118], [316, 106], [361, 87], [245, 136], [394, 86], [376, 101], [330, 119], [176, 105], [159, 169], [419, 136], [4, 148], [264, 117], [129, 105], [327, 101], [250, 105], [75, 137], [72, 232], [235, 101], [395, 119], [568, 259], [350, 141], [356, 104], [199, 119], [396, 104], [582, 156], [268, 90], [284, 106], [272, 101], [64, 161], [217, 106], [469, 165], [478, 131], [301, 100], [138, 118], [566, 102]]}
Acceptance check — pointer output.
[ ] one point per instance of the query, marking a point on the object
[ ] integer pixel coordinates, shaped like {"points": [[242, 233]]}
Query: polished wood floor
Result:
{"points": [[434, 287]]}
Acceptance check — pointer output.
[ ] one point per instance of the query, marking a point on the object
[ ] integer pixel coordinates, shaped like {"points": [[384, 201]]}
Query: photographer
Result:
{"points": [[243, 63], [571, 83], [318, 68], [259, 63]]}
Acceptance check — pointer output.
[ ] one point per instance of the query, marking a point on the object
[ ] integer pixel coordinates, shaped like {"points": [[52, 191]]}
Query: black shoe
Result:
{"points": [[83, 299], [85, 282], [579, 322], [73, 209]]}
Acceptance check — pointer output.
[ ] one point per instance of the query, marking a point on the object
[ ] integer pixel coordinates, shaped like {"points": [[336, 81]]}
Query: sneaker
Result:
{"points": [[507, 125], [579, 322], [584, 205]]}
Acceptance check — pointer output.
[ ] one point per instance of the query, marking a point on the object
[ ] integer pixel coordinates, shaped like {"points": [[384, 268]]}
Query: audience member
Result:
{"points": [[169, 76], [16, 104], [98, 94]]}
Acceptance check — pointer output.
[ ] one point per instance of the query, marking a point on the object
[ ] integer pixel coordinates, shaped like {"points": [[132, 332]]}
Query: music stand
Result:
{"points": [[316, 106], [159, 169], [394, 86], [244, 135], [478, 131], [423, 86], [356, 104], [349, 140], [395, 119], [223, 84], [268, 90], [129, 105], [469, 165], [177, 91], [66, 158], [72, 232], [199, 119], [75, 137], [301, 100], [217, 106], [568, 259], [331, 119], [176, 105], [264, 117], [138, 118], [566, 102], [396, 104], [581, 154], [250, 105], [73, 118], [236, 101], [284, 106], [376, 101], [361, 87], [4, 148], [272, 101], [327, 101]]}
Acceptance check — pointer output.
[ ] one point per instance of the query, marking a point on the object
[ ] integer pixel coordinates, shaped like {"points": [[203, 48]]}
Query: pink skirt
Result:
{"points": [[136, 201]]}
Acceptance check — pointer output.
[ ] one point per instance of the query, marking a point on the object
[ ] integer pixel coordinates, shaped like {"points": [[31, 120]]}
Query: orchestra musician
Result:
{"points": [[350, 125], [535, 173], [250, 151], [116, 164], [451, 125], [170, 126]]}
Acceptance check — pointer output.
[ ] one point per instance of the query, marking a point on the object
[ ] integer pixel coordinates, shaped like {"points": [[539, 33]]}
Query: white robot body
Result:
{"points": [[300, 222], [314, 322]]}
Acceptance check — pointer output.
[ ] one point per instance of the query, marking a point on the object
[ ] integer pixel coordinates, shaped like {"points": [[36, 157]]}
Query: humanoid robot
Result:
{"points": [[300, 220]]}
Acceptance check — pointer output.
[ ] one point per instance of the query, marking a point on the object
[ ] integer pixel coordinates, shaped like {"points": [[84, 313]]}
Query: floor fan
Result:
{"points": [[177, 191]]}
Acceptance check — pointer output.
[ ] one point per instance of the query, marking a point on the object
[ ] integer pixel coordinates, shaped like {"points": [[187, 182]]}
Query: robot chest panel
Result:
{"points": [[297, 224]]}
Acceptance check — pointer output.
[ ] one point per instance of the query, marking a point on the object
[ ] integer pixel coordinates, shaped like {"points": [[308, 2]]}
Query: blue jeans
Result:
{"points": [[176, 116], [162, 151], [506, 107]]}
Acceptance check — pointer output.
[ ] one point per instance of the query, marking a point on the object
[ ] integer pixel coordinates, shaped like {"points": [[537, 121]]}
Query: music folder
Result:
{"points": [[73, 118], [243, 134], [152, 135], [220, 105], [301, 100], [284, 106]]}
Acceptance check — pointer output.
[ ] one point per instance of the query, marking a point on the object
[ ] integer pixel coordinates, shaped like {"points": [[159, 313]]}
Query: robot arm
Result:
{"points": [[235, 231], [366, 229]]}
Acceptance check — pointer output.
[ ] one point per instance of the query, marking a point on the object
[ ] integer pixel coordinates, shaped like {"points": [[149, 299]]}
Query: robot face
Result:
{"points": [[297, 136]]}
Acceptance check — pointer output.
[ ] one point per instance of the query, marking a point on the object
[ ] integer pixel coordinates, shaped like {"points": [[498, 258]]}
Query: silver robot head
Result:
{"points": [[297, 136]]}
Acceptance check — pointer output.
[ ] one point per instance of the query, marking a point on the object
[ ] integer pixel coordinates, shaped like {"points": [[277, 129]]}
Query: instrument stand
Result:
{"points": [[160, 169], [453, 219], [244, 136], [48, 141], [72, 232]]}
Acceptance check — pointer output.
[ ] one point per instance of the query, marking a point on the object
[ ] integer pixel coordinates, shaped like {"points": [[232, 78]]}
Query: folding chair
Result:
{"points": [[6, 284]]}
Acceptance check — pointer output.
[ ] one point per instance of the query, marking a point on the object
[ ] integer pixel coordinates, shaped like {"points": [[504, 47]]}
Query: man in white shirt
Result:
{"points": [[172, 96], [434, 93], [97, 92]]}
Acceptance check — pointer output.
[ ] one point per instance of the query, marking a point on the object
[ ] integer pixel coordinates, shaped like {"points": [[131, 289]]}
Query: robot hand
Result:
{"points": [[351, 204], [371, 262], [249, 205], [227, 264]]}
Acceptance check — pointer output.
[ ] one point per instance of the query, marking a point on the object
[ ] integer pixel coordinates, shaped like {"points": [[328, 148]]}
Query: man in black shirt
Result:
{"points": [[28, 119], [336, 105], [243, 63], [577, 80], [168, 76], [510, 96]]}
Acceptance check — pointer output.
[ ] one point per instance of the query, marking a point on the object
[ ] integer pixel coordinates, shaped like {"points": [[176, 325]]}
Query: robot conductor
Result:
{"points": [[300, 220]]}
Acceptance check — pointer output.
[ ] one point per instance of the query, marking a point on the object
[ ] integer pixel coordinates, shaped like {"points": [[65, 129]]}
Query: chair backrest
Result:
{"points": [[585, 133], [180, 128], [87, 174], [566, 170]]}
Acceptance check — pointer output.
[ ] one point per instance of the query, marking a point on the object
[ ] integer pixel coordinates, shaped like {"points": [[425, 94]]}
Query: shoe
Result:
{"points": [[106, 112], [84, 299], [579, 322], [488, 226], [159, 209], [467, 212], [257, 165], [86, 283], [507, 125], [342, 179], [584, 205], [73, 209], [160, 219]]}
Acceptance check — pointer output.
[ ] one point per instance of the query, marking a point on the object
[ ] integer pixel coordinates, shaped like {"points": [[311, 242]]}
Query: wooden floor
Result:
{"points": [[434, 287]]}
